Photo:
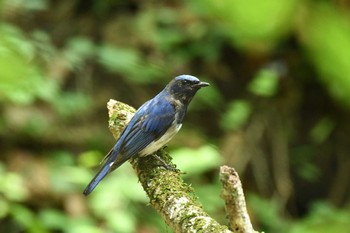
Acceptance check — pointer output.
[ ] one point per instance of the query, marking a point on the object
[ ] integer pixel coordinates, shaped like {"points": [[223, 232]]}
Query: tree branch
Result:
{"points": [[174, 200]]}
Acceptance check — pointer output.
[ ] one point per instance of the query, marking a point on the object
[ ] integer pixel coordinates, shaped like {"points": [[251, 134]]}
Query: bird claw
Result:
{"points": [[164, 164], [169, 168]]}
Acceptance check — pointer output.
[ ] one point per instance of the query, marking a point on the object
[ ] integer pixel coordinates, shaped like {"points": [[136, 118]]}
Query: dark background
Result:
{"points": [[277, 109]]}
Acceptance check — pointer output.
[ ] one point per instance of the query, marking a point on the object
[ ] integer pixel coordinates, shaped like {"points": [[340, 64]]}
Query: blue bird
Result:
{"points": [[154, 124]]}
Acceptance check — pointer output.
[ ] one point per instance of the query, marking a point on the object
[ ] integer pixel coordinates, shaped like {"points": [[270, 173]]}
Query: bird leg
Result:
{"points": [[164, 164]]}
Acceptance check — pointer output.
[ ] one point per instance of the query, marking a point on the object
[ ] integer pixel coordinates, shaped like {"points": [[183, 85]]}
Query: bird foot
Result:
{"points": [[164, 164]]}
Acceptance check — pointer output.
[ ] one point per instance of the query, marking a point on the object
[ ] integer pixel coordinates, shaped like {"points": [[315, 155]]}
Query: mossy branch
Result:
{"points": [[174, 200]]}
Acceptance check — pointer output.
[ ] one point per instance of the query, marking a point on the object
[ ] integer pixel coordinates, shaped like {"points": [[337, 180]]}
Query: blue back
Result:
{"points": [[149, 123]]}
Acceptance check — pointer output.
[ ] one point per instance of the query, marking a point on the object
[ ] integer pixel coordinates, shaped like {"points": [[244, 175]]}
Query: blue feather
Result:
{"points": [[152, 126], [98, 177]]}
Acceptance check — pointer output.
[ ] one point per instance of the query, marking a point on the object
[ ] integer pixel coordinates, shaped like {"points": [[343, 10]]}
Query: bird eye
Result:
{"points": [[188, 82]]}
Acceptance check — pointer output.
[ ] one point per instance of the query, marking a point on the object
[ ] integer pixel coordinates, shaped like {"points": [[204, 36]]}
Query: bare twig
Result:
{"points": [[233, 195]]}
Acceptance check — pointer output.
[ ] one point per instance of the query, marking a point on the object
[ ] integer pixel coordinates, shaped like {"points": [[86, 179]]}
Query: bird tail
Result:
{"points": [[98, 177], [111, 162], [105, 169]]}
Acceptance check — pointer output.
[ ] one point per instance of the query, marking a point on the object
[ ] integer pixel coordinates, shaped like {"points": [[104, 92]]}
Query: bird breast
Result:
{"points": [[156, 145]]}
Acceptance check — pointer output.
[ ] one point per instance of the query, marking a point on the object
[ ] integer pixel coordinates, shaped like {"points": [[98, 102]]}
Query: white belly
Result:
{"points": [[156, 145]]}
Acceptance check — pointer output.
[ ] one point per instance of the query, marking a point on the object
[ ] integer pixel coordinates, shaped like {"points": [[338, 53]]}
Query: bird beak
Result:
{"points": [[202, 84]]}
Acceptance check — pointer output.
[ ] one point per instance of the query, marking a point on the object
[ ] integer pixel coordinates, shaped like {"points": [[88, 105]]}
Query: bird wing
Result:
{"points": [[152, 122], [148, 124]]}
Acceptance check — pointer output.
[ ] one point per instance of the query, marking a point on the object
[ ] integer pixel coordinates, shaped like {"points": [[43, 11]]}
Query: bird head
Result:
{"points": [[184, 87]]}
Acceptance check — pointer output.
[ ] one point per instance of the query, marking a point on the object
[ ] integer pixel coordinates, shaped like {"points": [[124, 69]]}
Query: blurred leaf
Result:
{"points": [[166, 33], [60, 158], [90, 158], [303, 158], [78, 50], [118, 59], [56, 220], [264, 83], [254, 24], [53, 219], [21, 80], [121, 221], [116, 200], [72, 103], [209, 194], [323, 219], [129, 63], [236, 115], [26, 219], [74, 175], [31, 5], [67, 179], [35, 4], [13, 187], [309, 171], [209, 97], [36, 125], [196, 161], [321, 131], [4, 207], [327, 38], [82, 226], [267, 211], [65, 176], [111, 194]]}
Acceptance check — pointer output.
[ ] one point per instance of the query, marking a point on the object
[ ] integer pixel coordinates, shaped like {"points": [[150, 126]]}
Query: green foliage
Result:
{"points": [[26, 219], [211, 98], [13, 191], [258, 27], [323, 218], [303, 160], [267, 212], [12, 186], [265, 83], [327, 38], [31, 5], [129, 63], [322, 130], [187, 159], [78, 50], [236, 115], [90, 158], [118, 196], [208, 194], [21, 79], [68, 103]]}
